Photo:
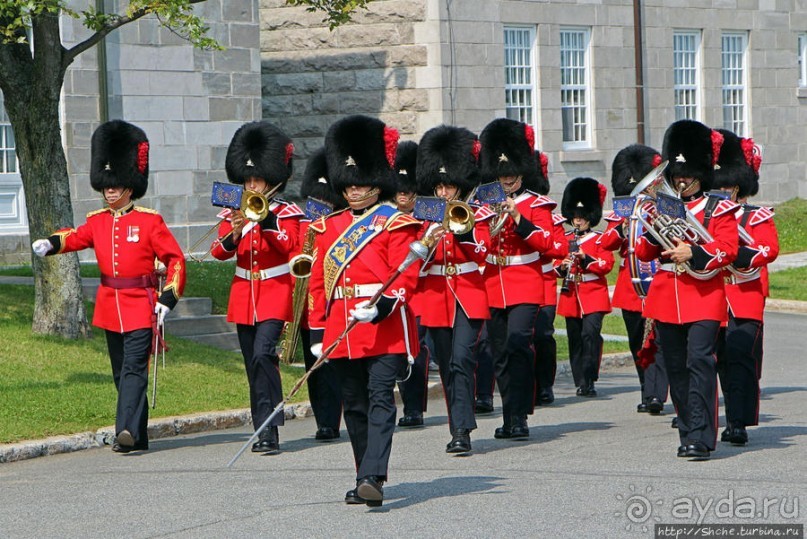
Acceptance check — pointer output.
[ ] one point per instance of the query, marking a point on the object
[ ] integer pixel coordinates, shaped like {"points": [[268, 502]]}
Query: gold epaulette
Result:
{"points": [[96, 212], [401, 220], [146, 210]]}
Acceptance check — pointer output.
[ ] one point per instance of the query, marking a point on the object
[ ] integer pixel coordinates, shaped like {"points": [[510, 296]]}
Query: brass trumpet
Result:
{"points": [[254, 206], [458, 217]]}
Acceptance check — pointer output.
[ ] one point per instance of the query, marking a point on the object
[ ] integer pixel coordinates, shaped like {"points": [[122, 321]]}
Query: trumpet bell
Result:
{"points": [[459, 217], [652, 182], [254, 205], [300, 266]]}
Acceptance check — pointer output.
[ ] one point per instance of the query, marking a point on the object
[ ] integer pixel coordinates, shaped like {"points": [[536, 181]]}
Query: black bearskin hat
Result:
{"points": [[448, 154], [406, 159], [508, 148], [361, 151], [120, 158], [738, 164], [631, 164], [537, 180], [261, 150], [692, 150], [316, 183], [583, 197]]}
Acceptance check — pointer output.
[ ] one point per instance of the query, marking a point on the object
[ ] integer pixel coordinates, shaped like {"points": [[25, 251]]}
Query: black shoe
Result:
{"points": [[655, 406], [580, 391], [674, 423], [590, 392], [697, 451], [326, 434], [411, 421], [267, 443], [125, 439], [352, 498], [682, 451], [504, 432], [738, 436], [118, 448], [641, 408], [484, 405], [725, 436], [545, 396], [460, 442], [519, 430], [371, 490]]}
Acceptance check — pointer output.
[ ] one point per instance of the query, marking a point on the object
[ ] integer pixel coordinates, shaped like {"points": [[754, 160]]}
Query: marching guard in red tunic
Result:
{"points": [[513, 269], [260, 158], [739, 350], [323, 387], [452, 287], [356, 252], [126, 239], [584, 295], [546, 349], [689, 309], [630, 166]]}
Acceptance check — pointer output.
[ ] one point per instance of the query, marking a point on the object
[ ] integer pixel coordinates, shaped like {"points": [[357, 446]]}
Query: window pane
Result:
{"points": [[518, 77], [733, 77], [685, 74], [574, 85]]}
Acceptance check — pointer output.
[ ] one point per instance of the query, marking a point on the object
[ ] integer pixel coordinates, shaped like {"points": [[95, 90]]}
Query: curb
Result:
{"points": [[206, 421]]}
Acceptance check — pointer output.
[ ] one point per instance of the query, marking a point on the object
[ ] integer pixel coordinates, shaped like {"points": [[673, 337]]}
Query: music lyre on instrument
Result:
{"points": [[254, 206]]}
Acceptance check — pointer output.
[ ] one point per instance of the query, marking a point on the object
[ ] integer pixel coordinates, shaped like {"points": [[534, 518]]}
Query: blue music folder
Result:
{"points": [[226, 195]]}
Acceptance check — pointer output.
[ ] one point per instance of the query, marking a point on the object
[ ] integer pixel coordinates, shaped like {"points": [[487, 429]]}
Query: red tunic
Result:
{"points": [[126, 242], [358, 280], [453, 276], [513, 263], [589, 294], [680, 298], [625, 296], [559, 250], [262, 286], [746, 295]]}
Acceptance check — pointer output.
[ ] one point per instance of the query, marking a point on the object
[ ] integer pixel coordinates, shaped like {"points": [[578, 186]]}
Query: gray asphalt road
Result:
{"points": [[592, 468]]}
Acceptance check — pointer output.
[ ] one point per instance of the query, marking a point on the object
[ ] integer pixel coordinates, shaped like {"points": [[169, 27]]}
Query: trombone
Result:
{"points": [[254, 206]]}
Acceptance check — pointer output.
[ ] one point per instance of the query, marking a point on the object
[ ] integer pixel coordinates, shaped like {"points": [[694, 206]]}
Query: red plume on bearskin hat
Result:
{"points": [[630, 165], [692, 151], [316, 183], [583, 197], [446, 154], [361, 151], [734, 169], [406, 160], [537, 179], [260, 150], [120, 158], [507, 149]]}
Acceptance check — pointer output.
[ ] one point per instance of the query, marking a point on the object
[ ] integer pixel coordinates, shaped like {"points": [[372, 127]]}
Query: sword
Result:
{"points": [[418, 250], [159, 340]]}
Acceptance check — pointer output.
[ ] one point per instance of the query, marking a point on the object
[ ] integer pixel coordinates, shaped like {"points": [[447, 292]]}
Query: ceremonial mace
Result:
{"points": [[418, 250]]}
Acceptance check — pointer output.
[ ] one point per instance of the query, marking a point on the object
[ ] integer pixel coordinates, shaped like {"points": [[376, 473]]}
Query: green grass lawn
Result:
{"points": [[55, 386], [789, 284], [791, 223]]}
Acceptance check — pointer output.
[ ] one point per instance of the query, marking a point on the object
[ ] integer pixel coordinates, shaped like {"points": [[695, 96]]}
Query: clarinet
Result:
{"points": [[571, 273]]}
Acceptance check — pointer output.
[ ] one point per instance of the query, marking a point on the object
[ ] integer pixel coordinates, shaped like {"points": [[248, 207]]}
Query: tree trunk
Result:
{"points": [[31, 90]]}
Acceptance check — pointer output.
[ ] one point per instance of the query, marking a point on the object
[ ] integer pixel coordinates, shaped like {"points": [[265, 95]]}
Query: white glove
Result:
{"points": [[161, 311], [316, 349], [42, 247], [363, 311]]}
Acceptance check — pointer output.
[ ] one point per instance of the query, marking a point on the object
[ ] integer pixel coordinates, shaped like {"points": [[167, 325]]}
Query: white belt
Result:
{"points": [[451, 269], [262, 275], [668, 266], [731, 278], [356, 291], [586, 277], [516, 260], [549, 266]]}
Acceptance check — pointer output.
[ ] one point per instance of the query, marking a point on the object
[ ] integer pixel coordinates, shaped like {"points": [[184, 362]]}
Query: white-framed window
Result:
{"points": [[734, 75], [803, 59], [519, 73], [686, 74], [575, 87], [13, 217]]}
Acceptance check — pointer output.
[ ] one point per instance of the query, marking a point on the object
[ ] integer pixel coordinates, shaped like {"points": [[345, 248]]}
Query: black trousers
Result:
{"points": [[258, 346], [585, 347], [368, 402], [485, 381], [739, 365], [414, 391], [456, 357], [653, 379], [546, 349], [689, 354], [510, 331], [129, 356], [323, 388]]}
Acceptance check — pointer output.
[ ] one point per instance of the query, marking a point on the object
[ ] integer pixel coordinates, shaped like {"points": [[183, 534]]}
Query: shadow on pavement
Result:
{"points": [[539, 434], [405, 495]]}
